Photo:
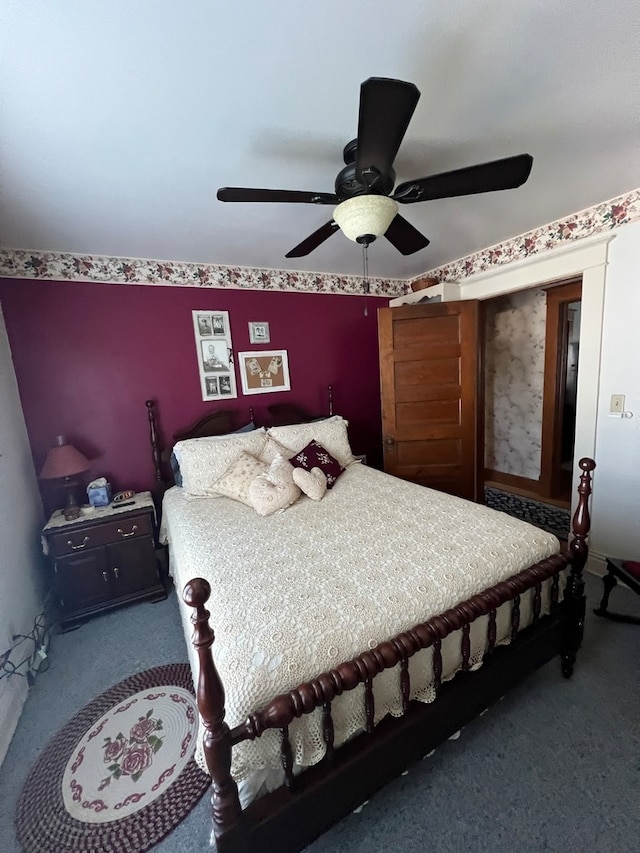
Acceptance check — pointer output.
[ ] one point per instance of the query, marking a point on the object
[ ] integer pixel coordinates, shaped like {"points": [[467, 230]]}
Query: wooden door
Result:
{"points": [[430, 363]]}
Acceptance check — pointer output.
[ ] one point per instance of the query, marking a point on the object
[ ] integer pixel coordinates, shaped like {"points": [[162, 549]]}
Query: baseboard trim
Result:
{"points": [[597, 564], [12, 699]]}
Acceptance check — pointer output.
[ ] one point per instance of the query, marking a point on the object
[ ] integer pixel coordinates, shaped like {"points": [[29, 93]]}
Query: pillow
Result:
{"points": [[250, 427], [274, 490], [175, 469], [204, 460], [313, 483], [175, 465], [314, 455], [331, 433], [271, 449], [236, 480]]}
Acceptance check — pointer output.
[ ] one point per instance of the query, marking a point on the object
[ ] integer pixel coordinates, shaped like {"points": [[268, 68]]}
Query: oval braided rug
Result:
{"points": [[120, 775]]}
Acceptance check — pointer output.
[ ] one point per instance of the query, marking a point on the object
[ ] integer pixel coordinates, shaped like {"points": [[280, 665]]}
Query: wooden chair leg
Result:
{"points": [[610, 582], [617, 570]]}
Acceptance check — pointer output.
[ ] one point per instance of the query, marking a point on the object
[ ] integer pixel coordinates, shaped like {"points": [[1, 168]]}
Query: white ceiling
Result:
{"points": [[119, 120]]}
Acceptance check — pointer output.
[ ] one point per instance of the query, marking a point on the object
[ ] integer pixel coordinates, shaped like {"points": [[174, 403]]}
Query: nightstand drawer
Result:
{"points": [[91, 536]]}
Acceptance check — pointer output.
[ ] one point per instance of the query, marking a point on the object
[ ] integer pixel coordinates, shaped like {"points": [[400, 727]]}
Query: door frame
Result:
{"points": [[586, 258], [559, 296]]}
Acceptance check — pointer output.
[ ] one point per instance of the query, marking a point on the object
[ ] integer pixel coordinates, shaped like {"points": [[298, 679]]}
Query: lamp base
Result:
{"points": [[71, 510]]}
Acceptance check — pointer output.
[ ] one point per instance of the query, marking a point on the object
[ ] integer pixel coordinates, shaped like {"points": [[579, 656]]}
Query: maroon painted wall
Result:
{"points": [[87, 356]]}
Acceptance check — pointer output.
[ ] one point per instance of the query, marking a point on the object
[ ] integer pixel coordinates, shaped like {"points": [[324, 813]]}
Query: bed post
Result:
{"points": [[225, 804], [153, 437], [574, 598]]}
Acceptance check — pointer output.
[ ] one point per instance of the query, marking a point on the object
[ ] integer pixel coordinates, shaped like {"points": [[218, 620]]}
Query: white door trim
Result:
{"points": [[587, 258]]}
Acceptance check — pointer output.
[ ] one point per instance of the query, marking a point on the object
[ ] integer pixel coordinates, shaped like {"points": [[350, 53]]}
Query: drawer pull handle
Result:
{"points": [[116, 572], [78, 547], [127, 535], [106, 577]]}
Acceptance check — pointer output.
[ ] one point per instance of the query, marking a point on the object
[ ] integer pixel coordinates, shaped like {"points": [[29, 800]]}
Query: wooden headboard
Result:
{"points": [[221, 422]]}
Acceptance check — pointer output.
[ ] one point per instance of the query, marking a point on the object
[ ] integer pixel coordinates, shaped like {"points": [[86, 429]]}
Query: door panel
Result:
{"points": [[424, 370], [429, 411], [412, 332], [429, 368]]}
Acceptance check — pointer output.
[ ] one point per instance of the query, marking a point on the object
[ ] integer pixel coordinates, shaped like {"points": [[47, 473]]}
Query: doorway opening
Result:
{"points": [[531, 367]]}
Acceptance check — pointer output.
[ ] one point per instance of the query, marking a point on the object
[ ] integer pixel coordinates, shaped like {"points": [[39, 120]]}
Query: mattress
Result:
{"points": [[297, 593]]}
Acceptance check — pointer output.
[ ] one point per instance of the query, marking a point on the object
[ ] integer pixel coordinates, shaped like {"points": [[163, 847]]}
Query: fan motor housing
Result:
{"points": [[347, 184]]}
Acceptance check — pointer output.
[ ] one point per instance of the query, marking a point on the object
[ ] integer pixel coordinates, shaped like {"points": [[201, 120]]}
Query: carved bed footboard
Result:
{"points": [[292, 816]]}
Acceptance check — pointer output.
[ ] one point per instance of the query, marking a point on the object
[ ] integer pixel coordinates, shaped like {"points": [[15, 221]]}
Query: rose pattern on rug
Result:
{"points": [[145, 742], [132, 756]]}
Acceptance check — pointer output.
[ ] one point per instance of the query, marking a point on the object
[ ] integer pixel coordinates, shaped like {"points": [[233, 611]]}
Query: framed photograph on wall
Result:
{"points": [[259, 333], [219, 324], [264, 372], [215, 354]]}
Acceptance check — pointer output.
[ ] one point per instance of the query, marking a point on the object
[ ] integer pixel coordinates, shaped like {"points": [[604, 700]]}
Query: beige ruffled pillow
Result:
{"points": [[204, 460], [331, 433], [274, 490], [236, 480], [313, 483], [271, 449]]}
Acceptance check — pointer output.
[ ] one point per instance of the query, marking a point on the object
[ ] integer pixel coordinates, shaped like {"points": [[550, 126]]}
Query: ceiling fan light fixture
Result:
{"points": [[365, 216]]}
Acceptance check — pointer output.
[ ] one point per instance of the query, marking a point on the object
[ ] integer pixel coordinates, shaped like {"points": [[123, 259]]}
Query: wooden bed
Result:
{"points": [[310, 802]]}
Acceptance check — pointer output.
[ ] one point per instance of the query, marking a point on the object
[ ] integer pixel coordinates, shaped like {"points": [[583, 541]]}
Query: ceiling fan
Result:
{"points": [[366, 204]]}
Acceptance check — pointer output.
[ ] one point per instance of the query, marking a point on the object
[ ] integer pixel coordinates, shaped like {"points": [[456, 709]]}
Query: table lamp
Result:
{"points": [[62, 463]]}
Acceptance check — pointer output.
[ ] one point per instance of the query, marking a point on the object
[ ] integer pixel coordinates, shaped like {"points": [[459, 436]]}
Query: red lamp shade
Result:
{"points": [[63, 460]]}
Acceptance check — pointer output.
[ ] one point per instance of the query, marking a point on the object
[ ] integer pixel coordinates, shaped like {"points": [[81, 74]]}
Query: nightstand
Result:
{"points": [[103, 559]]}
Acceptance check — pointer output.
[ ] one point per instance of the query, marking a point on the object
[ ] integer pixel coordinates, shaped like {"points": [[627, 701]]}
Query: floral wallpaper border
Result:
{"points": [[57, 266], [593, 220], [20, 263]]}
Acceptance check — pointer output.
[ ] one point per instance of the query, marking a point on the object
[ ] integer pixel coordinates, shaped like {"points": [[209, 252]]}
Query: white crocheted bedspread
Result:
{"points": [[297, 593]]}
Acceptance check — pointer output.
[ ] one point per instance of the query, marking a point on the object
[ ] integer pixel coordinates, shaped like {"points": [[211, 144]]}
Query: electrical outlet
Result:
{"points": [[616, 407]]}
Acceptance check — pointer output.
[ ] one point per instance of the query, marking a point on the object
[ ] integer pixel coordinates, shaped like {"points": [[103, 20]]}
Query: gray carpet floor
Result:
{"points": [[554, 766]]}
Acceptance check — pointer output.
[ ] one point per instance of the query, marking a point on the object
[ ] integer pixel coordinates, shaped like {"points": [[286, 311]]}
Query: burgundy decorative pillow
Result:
{"points": [[314, 455]]}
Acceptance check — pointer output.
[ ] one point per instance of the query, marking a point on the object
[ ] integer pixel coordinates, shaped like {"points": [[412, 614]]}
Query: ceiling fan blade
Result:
{"points": [[295, 196], [314, 240], [504, 174], [404, 236], [386, 107]]}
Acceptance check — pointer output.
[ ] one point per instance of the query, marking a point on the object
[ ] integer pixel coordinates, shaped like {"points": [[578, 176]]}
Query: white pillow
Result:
{"points": [[236, 480], [331, 433], [274, 490], [204, 460]]}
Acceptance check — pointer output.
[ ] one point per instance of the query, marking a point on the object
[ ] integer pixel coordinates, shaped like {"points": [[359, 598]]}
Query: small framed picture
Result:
{"points": [[259, 333], [226, 387], [211, 383], [216, 356], [204, 325], [219, 326], [264, 372]]}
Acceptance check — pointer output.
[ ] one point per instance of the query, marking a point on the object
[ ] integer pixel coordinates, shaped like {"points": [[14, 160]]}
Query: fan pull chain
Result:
{"points": [[365, 276]]}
